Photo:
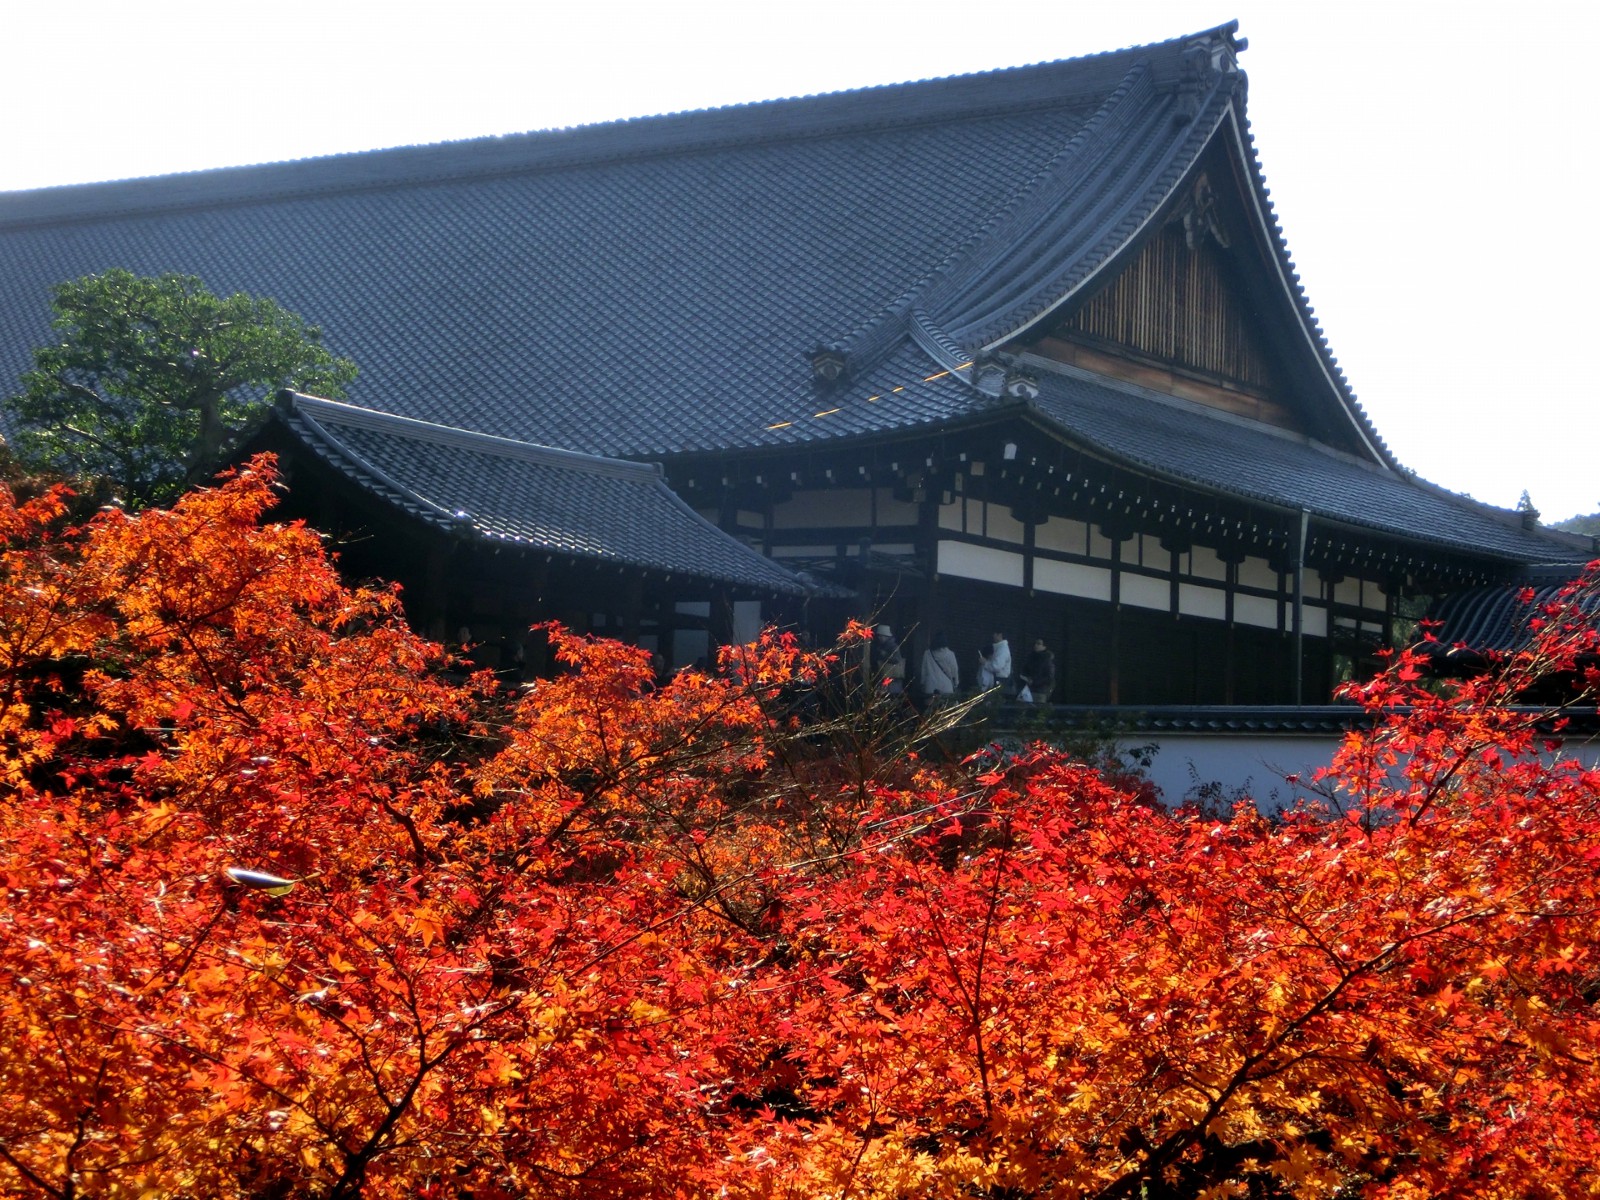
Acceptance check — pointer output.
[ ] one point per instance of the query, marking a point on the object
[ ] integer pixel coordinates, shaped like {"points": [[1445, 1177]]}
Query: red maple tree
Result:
{"points": [[287, 909]]}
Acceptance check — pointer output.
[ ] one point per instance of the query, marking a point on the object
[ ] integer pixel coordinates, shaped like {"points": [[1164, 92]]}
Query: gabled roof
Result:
{"points": [[668, 285], [511, 494], [656, 286]]}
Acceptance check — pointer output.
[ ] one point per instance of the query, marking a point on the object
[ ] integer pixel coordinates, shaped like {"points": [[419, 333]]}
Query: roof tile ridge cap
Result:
{"points": [[555, 147], [1199, 130], [1034, 200], [1510, 517], [939, 345], [1302, 301], [869, 342], [289, 403], [470, 439]]}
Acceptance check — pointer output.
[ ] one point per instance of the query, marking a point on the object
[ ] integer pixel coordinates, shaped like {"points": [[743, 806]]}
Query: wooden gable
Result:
{"points": [[1176, 321], [1185, 315], [1197, 308], [1179, 304]]}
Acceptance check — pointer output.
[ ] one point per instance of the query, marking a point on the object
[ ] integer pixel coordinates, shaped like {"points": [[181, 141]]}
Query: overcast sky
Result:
{"points": [[1427, 159]]}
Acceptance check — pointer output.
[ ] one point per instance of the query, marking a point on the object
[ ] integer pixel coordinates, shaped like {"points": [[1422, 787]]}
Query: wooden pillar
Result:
{"points": [[928, 618], [1300, 606], [1230, 676], [1114, 658], [631, 605], [721, 624]]}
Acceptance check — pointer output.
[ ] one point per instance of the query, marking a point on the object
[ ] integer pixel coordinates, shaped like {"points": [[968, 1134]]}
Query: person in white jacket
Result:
{"points": [[994, 663], [939, 674]]}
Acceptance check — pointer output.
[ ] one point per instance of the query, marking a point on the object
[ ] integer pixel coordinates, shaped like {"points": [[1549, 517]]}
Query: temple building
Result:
{"points": [[1019, 351]]}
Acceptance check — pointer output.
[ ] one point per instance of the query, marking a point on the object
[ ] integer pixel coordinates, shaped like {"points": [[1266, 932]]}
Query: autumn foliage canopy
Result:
{"points": [[288, 909]]}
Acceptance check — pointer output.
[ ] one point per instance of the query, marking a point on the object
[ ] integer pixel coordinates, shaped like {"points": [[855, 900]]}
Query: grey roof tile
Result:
{"points": [[643, 288], [656, 287], [510, 493], [1233, 456]]}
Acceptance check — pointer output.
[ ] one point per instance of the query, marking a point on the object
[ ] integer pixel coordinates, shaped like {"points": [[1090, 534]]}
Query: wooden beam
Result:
{"points": [[1169, 382]]}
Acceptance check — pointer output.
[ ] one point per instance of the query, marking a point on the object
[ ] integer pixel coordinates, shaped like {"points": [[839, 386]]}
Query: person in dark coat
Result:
{"points": [[1038, 673]]}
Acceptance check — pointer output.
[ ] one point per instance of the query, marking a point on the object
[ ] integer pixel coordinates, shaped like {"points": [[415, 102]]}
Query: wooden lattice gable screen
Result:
{"points": [[1192, 313], [1178, 304]]}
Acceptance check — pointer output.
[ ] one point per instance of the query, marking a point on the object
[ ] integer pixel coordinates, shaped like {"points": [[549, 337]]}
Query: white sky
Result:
{"points": [[1428, 160]]}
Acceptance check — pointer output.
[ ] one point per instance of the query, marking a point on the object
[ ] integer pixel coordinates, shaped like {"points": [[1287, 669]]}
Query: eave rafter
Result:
{"points": [[1022, 461]]}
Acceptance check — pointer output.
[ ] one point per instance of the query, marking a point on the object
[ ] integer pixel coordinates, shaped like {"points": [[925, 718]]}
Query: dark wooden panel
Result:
{"points": [[1179, 305]]}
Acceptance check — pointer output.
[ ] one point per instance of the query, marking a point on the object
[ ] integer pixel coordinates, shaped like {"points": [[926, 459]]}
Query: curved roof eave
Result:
{"points": [[310, 420], [1268, 227], [1070, 221], [1107, 254], [1535, 546]]}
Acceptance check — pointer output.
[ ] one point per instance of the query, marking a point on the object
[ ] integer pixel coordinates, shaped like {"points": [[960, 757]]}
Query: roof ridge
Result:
{"points": [[296, 416], [300, 414], [1509, 517], [1054, 83], [1039, 203]]}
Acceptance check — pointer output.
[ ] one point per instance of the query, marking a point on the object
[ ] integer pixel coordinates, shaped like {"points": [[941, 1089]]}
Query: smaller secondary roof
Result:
{"points": [[507, 493], [1498, 620]]}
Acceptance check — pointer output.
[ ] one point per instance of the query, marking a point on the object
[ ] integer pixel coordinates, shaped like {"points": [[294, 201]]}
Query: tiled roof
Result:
{"points": [[1241, 721], [1184, 441], [513, 494], [641, 301], [658, 287], [655, 286], [1496, 619]]}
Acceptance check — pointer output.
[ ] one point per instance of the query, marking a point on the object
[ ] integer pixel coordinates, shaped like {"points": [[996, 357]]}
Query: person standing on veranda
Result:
{"points": [[1038, 674], [994, 663], [939, 674]]}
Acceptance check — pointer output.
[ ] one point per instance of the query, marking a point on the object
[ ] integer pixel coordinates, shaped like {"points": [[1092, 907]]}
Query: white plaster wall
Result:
{"points": [[1072, 579], [1203, 561], [838, 506], [1258, 573], [1002, 526], [1251, 766], [980, 562], [1062, 534], [1141, 591], [1195, 600], [1257, 767], [1256, 610]]}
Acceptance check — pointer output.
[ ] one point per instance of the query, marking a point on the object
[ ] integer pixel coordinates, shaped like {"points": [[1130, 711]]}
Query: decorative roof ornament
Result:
{"points": [[1526, 512], [1206, 60], [1020, 385], [829, 364], [989, 376], [1200, 216]]}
